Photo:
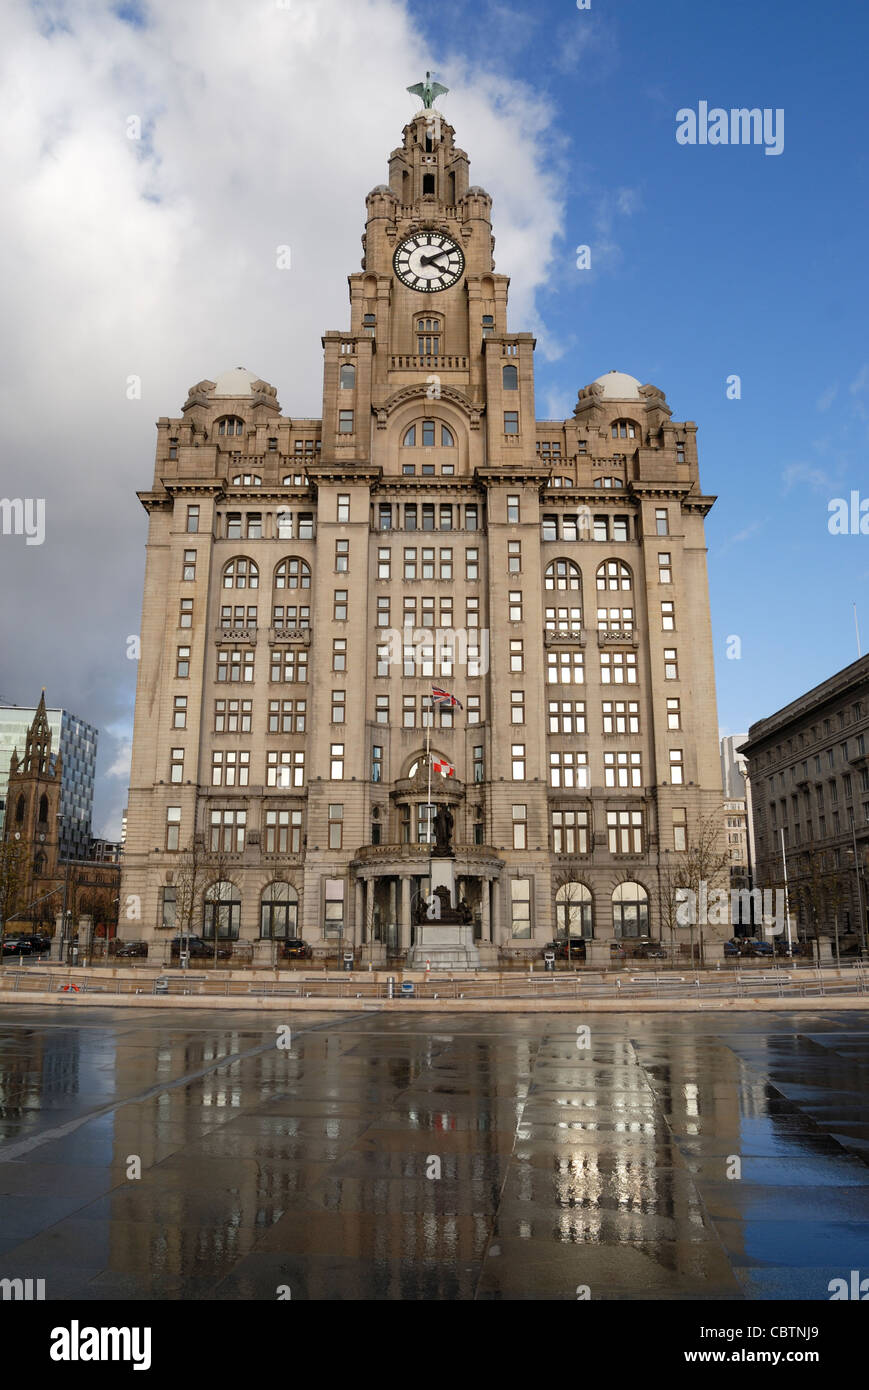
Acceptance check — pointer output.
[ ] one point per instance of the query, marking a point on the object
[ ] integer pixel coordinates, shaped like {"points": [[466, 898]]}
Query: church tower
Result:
{"points": [[33, 804], [311, 583]]}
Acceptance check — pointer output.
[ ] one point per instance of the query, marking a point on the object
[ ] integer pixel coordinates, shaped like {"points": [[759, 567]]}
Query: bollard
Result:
{"points": [[390, 986]]}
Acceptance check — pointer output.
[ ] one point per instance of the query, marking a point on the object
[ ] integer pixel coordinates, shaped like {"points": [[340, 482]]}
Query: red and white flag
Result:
{"points": [[443, 767]]}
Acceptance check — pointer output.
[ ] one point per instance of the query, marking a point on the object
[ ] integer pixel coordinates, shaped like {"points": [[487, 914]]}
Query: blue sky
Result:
{"points": [[721, 260]]}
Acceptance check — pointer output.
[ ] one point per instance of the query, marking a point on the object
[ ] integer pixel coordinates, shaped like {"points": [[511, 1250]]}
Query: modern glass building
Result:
{"points": [[77, 743]]}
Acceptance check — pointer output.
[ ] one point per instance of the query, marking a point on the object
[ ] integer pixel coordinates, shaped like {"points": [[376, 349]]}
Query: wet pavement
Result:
{"points": [[456, 1157]]}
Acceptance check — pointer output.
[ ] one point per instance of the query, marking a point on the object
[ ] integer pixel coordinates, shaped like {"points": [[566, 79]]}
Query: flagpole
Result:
{"points": [[428, 760]]}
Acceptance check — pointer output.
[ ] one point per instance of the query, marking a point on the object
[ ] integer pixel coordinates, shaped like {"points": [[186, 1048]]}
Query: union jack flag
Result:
{"points": [[443, 697]]}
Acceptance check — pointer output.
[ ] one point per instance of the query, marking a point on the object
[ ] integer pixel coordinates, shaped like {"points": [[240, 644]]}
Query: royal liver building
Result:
{"points": [[311, 584]]}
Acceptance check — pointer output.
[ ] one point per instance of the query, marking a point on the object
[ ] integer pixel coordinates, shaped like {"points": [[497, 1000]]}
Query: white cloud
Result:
{"points": [[825, 400], [803, 473]]}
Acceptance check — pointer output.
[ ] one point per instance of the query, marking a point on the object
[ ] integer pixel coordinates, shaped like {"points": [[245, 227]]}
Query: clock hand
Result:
{"points": [[429, 260]]}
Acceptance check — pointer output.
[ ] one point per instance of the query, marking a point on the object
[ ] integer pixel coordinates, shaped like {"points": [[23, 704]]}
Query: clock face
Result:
{"points": [[428, 261]]}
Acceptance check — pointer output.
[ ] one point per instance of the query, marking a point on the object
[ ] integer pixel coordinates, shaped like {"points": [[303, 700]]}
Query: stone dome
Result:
{"points": [[618, 386], [236, 381]]}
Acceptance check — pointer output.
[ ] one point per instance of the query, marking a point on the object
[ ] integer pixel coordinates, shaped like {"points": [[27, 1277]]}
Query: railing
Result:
{"points": [[434, 361], [579, 985]]}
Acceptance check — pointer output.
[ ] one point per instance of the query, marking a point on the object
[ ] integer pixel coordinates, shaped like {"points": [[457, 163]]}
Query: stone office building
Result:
{"points": [[301, 577], [808, 771]]}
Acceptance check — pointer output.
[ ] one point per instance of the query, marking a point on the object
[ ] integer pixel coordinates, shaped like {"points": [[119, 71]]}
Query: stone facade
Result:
{"points": [[809, 777], [298, 571]]}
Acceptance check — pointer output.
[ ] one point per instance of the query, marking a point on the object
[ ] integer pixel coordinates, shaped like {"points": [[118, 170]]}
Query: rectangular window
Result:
{"points": [[339, 608], [411, 517], [228, 830], [342, 557], [625, 832], [513, 507], [189, 570], [471, 517], [343, 506], [383, 609], [384, 517], [333, 920], [182, 663], [520, 827], [289, 664], [179, 713], [517, 655], [192, 519], [446, 562], [234, 666], [676, 767], [568, 768], [570, 832], [620, 528], [565, 667], [621, 717], [173, 827], [665, 573], [377, 763], [336, 762], [185, 616], [254, 526], [336, 825], [383, 658], [668, 616], [622, 770], [671, 664], [674, 714], [285, 716], [478, 763], [511, 421], [662, 521], [285, 768], [517, 706], [472, 612], [176, 765], [567, 716], [472, 710], [515, 606], [428, 516], [169, 906], [520, 904], [306, 526], [518, 761], [339, 654], [381, 709], [230, 768], [427, 566], [514, 557], [618, 668], [445, 517], [345, 421], [338, 706], [283, 832], [233, 526]]}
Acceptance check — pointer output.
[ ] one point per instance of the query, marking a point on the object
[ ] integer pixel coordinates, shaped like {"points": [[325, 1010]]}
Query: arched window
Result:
{"points": [[425, 432], [240, 573], [247, 480], [19, 810], [43, 809], [39, 865], [563, 575], [510, 378], [559, 481], [279, 911], [230, 424], [347, 376], [625, 429], [221, 912], [608, 482], [630, 910], [293, 573], [573, 910], [428, 337], [614, 574]]}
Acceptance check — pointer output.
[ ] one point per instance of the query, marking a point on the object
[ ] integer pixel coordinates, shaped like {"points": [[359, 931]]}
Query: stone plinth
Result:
{"points": [[446, 945]]}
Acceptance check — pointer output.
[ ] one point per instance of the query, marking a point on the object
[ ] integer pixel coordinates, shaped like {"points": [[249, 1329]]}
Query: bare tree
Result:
{"points": [[568, 891], [703, 861]]}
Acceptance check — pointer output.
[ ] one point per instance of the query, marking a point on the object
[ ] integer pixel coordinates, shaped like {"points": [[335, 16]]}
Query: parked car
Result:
{"points": [[733, 947], [200, 949], [294, 948], [560, 947], [27, 944], [132, 948]]}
